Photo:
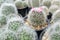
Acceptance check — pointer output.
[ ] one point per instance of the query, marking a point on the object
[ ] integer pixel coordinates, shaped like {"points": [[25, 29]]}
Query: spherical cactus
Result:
{"points": [[26, 33], [8, 8], [20, 4], [53, 33], [56, 16], [46, 3], [3, 20], [37, 17], [53, 8], [34, 3], [5, 1], [56, 2], [15, 23], [8, 35]]}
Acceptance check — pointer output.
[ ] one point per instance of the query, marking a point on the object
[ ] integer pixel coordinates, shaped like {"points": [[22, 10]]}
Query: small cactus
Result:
{"points": [[37, 17], [8, 8], [46, 3], [56, 2], [56, 16], [20, 4], [53, 33], [15, 23], [26, 34], [53, 8]]}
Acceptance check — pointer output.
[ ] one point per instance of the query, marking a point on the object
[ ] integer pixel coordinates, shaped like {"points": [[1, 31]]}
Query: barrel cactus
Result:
{"points": [[56, 16], [53, 33], [3, 20], [8, 8], [8, 35], [56, 2], [53, 8], [20, 4], [37, 17], [46, 3], [15, 23], [26, 33]]}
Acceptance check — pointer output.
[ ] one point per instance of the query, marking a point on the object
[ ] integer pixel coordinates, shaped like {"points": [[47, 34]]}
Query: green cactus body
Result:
{"points": [[56, 2], [8, 35], [26, 34], [36, 18], [20, 4], [56, 16], [14, 24], [3, 20], [7, 9], [46, 3], [53, 8]]}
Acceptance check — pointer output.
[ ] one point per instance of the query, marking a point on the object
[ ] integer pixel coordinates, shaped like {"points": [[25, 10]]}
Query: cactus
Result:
{"points": [[53, 8], [56, 16], [26, 34], [37, 17], [34, 3], [15, 23], [20, 4], [3, 20], [8, 35], [46, 3], [8, 8], [53, 32], [56, 2]]}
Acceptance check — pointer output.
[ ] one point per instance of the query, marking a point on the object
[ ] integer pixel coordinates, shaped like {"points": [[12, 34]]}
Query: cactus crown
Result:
{"points": [[7, 9], [37, 17]]}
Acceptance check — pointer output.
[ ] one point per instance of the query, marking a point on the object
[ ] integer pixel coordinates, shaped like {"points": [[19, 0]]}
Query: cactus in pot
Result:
{"points": [[53, 32], [37, 17], [53, 8], [8, 8], [26, 33]]}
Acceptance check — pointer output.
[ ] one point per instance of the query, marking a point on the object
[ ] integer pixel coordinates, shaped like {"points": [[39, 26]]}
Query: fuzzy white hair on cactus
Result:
{"points": [[56, 16], [26, 33], [37, 17], [8, 8], [15, 23], [34, 3], [46, 3], [53, 32], [8, 35], [20, 4], [56, 2], [53, 8]]}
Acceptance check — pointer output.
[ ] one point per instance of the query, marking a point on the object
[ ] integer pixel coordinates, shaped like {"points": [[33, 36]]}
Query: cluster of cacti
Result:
{"points": [[37, 17], [53, 8], [56, 16], [20, 4], [8, 8], [46, 3], [53, 32], [26, 33]]}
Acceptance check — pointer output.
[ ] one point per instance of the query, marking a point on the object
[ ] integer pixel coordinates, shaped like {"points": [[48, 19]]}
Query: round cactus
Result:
{"points": [[15, 23], [20, 4], [8, 8], [26, 34], [34, 3], [53, 33], [46, 3], [8, 35], [56, 2], [37, 17], [56, 16], [3, 20], [53, 8]]}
